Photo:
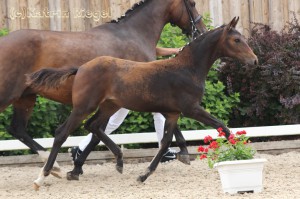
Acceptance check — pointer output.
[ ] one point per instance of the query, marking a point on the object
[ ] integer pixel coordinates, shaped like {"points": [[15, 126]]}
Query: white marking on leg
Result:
{"points": [[40, 180]]}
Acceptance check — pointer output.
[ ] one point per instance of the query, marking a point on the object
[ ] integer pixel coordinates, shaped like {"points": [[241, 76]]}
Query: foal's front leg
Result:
{"points": [[198, 113], [183, 154], [170, 125], [78, 163]]}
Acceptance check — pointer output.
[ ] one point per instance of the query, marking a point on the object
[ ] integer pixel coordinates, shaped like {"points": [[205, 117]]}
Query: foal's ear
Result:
{"points": [[233, 23]]}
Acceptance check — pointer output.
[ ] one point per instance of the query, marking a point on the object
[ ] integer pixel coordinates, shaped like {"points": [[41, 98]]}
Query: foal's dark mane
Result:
{"points": [[130, 11], [200, 38]]}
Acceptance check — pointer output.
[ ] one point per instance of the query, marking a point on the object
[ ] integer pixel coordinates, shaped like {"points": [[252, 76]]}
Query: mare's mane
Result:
{"points": [[130, 11]]}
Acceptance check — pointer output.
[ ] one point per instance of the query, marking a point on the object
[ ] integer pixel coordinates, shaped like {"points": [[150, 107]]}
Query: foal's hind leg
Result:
{"points": [[97, 122], [170, 125], [97, 126], [22, 110]]}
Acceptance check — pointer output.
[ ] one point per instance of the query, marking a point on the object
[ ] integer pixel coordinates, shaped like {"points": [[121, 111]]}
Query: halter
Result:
{"points": [[195, 31]]}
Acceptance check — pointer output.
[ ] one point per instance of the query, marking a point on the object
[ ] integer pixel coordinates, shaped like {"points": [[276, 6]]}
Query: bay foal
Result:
{"points": [[173, 87]]}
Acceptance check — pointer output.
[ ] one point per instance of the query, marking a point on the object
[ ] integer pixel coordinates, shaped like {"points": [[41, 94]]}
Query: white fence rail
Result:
{"points": [[120, 139]]}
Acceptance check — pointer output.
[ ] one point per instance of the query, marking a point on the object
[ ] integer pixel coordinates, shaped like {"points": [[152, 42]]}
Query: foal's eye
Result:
{"points": [[237, 40]]}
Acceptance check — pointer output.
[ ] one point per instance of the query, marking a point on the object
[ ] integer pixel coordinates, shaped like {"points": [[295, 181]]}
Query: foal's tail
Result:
{"points": [[49, 77]]}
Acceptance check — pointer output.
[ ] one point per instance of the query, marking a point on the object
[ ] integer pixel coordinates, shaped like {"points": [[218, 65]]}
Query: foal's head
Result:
{"points": [[233, 44], [184, 14]]}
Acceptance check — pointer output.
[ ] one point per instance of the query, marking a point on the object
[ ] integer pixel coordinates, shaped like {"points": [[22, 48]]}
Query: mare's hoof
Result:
{"points": [[119, 169], [71, 176], [56, 172], [184, 158]]}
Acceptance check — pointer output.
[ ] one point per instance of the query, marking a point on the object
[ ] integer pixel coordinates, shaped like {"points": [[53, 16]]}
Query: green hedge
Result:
{"points": [[48, 114]]}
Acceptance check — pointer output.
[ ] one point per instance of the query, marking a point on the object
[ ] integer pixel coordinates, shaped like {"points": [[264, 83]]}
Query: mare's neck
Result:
{"points": [[147, 21]]}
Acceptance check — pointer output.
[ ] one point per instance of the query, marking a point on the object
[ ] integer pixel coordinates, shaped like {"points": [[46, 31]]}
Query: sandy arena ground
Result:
{"points": [[174, 180]]}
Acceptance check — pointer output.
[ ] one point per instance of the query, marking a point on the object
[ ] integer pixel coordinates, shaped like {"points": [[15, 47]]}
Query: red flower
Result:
{"points": [[232, 141], [200, 149], [243, 132], [203, 156], [220, 129], [205, 150], [221, 132], [214, 145], [231, 136], [207, 139]]}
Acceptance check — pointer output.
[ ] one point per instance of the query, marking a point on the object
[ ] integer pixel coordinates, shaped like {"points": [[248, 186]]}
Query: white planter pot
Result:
{"points": [[241, 175]]}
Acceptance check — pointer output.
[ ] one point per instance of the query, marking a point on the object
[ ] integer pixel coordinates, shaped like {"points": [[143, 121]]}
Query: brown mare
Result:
{"points": [[133, 36], [171, 87]]}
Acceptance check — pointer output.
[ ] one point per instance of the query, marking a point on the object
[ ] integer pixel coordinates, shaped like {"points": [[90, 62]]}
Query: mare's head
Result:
{"points": [[233, 44], [184, 14]]}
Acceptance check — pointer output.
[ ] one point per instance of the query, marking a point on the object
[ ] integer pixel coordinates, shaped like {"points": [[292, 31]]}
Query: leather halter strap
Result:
{"points": [[195, 31]]}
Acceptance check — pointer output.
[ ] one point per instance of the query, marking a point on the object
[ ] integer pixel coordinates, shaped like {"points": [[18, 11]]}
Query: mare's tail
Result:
{"points": [[49, 77]]}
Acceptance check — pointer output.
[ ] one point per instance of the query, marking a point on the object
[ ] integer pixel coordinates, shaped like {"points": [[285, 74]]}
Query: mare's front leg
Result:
{"points": [[170, 125], [22, 110], [61, 134], [198, 113]]}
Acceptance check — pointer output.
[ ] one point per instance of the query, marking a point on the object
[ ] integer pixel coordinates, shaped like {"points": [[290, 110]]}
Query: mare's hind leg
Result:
{"points": [[22, 110], [183, 154], [97, 125], [170, 125]]}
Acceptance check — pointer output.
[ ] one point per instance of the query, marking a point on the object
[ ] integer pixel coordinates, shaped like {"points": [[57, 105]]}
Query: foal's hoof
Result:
{"points": [[142, 178], [184, 158], [71, 176], [56, 172], [119, 169]]}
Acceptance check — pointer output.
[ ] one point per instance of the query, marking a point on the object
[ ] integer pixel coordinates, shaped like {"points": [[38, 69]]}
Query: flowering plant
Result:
{"points": [[234, 148]]}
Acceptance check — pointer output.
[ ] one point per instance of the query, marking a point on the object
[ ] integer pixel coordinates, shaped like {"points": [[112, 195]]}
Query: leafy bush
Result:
{"points": [[3, 32], [47, 115], [270, 91]]}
